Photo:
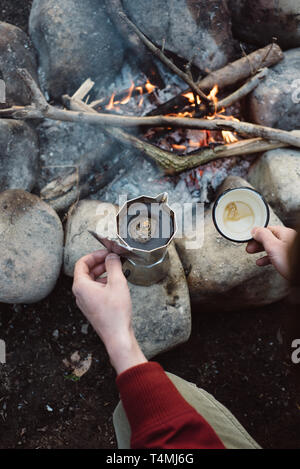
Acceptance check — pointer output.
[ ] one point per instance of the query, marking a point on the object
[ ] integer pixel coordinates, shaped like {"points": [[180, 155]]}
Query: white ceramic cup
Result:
{"points": [[237, 211]]}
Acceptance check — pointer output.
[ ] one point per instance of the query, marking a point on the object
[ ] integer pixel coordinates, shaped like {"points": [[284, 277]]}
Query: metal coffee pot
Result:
{"points": [[145, 228]]}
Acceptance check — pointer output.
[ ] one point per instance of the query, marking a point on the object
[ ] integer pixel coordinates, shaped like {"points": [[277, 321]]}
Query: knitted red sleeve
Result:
{"points": [[159, 416]]}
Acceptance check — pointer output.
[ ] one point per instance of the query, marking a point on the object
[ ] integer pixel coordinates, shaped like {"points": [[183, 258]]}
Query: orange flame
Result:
{"points": [[179, 147], [149, 87], [229, 137], [112, 105], [128, 97]]}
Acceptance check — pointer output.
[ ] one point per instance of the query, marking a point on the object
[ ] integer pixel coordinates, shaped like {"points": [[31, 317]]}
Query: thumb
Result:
{"points": [[265, 237], [113, 268]]}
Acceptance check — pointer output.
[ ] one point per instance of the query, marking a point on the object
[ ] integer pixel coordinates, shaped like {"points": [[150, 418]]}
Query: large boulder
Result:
{"points": [[67, 146], [31, 245], [275, 102], [75, 40], [19, 155], [258, 21], [221, 275], [276, 174], [16, 51], [196, 29], [161, 312]]}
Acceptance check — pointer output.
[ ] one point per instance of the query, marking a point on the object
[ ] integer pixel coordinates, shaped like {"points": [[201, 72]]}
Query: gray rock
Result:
{"points": [[275, 102], [79, 242], [31, 247], [277, 176], [65, 146], [221, 275], [191, 28], [19, 155], [258, 21], [161, 312], [16, 51], [75, 40], [142, 176]]}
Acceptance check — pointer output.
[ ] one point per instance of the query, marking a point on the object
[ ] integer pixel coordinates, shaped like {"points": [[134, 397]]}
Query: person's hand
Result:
{"points": [[276, 241], [106, 303]]}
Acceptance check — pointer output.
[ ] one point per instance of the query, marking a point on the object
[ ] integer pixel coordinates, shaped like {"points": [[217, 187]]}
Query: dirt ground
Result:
{"points": [[238, 357]]}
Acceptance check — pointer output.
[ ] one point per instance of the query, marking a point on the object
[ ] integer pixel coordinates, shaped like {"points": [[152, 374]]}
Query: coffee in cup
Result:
{"points": [[237, 211]]}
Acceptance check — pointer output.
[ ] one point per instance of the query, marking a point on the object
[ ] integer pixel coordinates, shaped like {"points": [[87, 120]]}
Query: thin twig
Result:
{"points": [[243, 91]]}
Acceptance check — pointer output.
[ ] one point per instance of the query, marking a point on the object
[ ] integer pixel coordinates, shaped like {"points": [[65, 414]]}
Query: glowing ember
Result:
{"points": [[179, 147], [149, 87]]}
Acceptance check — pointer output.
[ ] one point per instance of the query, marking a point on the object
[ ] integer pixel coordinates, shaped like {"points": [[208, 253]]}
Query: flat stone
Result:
{"points": [[31, 244], [222, 275], [19, 155], [16, 51], [192, 29], [258, 21], [275, 102], [75, 40], [277, 176], [161, 312], [79, 242]]}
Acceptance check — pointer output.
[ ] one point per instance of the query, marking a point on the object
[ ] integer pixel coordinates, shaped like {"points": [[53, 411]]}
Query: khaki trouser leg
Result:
{"points": [[226, 426]]}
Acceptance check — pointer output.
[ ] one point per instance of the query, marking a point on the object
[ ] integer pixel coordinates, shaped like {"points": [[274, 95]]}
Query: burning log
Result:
{"points": [[229, 75]]}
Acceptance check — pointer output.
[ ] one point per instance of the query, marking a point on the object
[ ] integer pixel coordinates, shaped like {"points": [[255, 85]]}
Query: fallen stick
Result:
{"points": [[229, 75], [164, 59]]}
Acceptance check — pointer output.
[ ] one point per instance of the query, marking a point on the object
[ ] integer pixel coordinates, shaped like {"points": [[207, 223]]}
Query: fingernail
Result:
{"points": [[112, 255], [254, 230]]}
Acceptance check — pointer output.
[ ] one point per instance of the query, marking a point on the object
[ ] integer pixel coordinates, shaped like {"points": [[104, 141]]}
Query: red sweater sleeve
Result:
{"points": [[158, 415]]}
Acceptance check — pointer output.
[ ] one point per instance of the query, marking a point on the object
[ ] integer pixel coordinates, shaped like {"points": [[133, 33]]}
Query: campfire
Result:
{"points": [[196, 127]]}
